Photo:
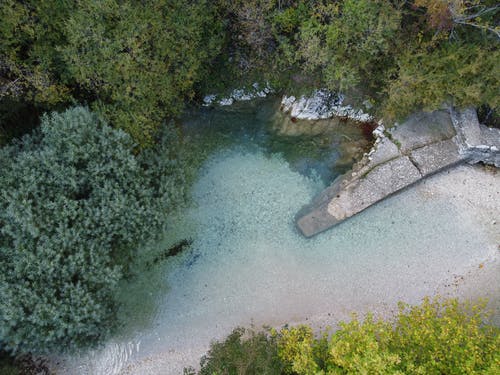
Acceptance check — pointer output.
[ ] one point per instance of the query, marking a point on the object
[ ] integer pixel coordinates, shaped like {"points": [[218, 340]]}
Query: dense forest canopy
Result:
{"points": [[139, 62], [86, 184]]}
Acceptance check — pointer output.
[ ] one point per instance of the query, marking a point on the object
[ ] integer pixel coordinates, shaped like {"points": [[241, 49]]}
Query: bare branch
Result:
{"points": [[478, 14], [483, 27]]}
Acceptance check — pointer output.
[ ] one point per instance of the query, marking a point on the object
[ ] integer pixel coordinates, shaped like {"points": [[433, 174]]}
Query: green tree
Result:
{"points": [[450, 56], [140, 60], [460, 74], [351, 43], [74, 205], [30, 33], [136, 62], [30, 83]]}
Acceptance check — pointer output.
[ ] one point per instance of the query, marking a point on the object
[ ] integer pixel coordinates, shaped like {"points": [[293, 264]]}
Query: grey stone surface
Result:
{"points": [[316, 221], [314, 218], [381, 182], [436, 156], [384, 150], [467, 127], [425, 144], [490, 136], [423, 128], [476, 142]]}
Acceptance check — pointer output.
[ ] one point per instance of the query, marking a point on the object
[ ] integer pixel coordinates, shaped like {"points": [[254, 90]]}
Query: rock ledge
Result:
{"points": [[424, 144]]}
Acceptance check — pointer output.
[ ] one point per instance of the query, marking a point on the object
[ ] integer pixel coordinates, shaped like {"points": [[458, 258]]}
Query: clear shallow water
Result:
{"points": [[248, 263]]}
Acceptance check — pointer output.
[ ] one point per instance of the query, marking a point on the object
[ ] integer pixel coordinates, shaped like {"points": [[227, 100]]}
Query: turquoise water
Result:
{"points": [[252, 125], [248, 264]]}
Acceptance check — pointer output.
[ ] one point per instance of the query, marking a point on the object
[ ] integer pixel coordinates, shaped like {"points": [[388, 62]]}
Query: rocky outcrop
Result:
{"points": [[238, 95], [423, 145], [322, 104]]}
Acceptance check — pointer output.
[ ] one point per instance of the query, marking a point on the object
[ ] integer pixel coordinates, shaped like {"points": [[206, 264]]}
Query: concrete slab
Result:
{"points": [[423, 145], [437, 156], [379, 183], [423, 128]]}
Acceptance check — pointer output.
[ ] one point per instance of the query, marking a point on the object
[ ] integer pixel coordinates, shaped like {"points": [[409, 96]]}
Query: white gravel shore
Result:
{"points": [[250, 266]]}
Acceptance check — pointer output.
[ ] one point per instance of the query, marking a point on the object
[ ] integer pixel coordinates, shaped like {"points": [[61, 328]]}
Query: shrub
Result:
{"points": [[243, 352], [437, 337], [134, 61], [74, 204], [457, 73], [445, 338], [351, 42]]}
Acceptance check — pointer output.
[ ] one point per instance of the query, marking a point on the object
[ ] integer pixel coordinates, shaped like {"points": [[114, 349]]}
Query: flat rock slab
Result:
{"points": [[423, 128], [436, 156], [316, 221], [379, 183], [468, 129]]}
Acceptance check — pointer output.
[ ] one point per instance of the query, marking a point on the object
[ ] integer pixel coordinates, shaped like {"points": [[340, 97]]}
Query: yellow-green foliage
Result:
{"points": [[296, 349], [462, 74], [362, 348], [445, 338], [437, 337]]}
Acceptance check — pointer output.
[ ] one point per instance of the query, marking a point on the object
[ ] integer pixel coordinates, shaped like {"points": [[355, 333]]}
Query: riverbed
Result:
{"points": [[248, 265]]}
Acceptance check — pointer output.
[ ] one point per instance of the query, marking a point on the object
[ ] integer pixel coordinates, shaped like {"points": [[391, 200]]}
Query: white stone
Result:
{"points": [[209, 99], [226, 101], [322, 104], [379, 131], [240, 94]]}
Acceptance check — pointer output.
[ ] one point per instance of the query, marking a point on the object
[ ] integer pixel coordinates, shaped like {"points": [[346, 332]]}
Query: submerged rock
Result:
{"points": [[423, 145]]}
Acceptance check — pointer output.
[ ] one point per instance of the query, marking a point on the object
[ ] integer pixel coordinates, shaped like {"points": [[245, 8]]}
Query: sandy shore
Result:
{"points": [[438, 237]]}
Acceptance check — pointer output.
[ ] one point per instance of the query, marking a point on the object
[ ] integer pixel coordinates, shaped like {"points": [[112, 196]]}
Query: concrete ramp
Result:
{"points": [[424, 144]]}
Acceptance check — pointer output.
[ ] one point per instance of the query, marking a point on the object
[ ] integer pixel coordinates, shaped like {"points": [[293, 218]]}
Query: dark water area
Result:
{"points": [[256, 125]]}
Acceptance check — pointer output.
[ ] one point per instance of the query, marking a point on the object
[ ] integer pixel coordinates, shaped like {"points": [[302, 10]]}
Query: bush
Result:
{"points": [[243, 352], [351, 43], [456, 73], [134, 61], [437, 337], [74, 204]]}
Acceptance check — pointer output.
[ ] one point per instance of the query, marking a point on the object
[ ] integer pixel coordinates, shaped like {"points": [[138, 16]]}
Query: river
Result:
{"points": [[247, 264]]}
